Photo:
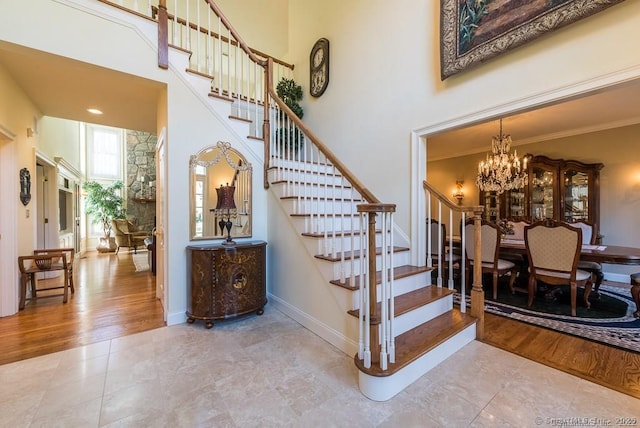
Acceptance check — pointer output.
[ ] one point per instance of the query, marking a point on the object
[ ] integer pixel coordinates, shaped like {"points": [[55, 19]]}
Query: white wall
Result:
{"points": [[385, 78]]}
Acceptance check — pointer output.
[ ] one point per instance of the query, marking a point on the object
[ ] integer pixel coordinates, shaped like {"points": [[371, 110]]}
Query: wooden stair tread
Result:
{"points": [[398, 273], [420, 340], [409, 301], [349, 254]]}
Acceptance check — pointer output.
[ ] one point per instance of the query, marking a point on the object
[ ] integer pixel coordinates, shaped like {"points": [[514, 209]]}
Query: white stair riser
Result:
{"points": [[304, 166], [382, 388], [406, 322], [306, 178], [308, 206], [400, 286], [332, 246], [316, 191], [338, 271]]}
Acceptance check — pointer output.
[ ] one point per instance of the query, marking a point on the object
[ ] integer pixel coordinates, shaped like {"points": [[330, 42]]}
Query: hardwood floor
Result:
{"points": [[111, 300], [605, 365]]}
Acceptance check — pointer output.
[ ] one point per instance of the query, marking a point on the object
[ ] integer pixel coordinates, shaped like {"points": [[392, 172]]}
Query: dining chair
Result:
{"points": [[590, 236], [437, 235], [490, 262], [29, 266], [69, 254], [553, 249], [519, 259]]}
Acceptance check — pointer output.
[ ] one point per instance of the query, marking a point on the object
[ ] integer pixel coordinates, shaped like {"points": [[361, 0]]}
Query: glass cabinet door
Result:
{"points": [[543, 194], [515, 200], [580, 190], [491, 203], [576, 196]]}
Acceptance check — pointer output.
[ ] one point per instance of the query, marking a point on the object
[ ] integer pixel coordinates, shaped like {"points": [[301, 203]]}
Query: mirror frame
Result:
{"points": [[242, 180]]}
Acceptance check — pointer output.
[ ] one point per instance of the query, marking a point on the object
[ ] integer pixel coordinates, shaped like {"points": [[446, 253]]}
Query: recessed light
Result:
{"points": [[94, 111]]}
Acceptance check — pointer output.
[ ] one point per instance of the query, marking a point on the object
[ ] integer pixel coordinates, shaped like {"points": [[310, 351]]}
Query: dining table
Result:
{"points": [[614, 254]]}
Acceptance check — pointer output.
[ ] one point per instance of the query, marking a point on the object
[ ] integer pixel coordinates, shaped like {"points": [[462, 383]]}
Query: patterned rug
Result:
{"points": [[622, 332]]}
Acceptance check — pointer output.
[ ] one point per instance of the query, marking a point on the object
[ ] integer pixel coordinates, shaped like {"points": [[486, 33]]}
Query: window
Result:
{"points": [[104, 160], [104, 153]]}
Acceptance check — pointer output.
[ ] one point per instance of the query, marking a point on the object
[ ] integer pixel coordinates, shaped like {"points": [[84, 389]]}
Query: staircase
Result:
{"points": [[406, 324]]}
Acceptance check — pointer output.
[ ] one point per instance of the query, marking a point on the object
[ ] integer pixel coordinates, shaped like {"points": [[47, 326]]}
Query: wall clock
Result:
{"points": [[319, 67]]}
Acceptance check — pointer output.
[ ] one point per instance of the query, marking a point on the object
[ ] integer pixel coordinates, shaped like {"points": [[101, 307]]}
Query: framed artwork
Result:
{"points": [[473, 31], [25, 186]]}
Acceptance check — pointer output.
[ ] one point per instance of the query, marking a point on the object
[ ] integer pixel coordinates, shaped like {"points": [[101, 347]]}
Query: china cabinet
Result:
{"points": [[563, 190]]}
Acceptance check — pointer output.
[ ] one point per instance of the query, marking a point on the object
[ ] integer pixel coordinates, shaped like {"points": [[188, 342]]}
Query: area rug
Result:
{"points": [[622, 331], [141, 261]]}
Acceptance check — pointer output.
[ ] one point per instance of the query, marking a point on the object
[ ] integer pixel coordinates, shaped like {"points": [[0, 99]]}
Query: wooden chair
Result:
{"points": [[69, 254], [31, 265], [590, 236], [491, 263], [128, 235], [553, 249]]}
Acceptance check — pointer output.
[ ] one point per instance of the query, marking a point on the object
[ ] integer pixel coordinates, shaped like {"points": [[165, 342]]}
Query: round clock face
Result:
{"points": [[319, 67]]}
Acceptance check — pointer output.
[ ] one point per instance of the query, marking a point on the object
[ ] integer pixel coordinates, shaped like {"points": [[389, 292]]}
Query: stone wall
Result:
{"points": [[141, 177]]}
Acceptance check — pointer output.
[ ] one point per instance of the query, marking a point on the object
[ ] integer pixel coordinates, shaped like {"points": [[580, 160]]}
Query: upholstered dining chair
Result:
{"points": [[590, 236], [490, 262], [437, 235], [69, 254], [553, 249]]}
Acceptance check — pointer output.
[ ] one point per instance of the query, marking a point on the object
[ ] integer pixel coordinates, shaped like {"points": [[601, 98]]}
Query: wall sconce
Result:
{"points": [[459, 193]]}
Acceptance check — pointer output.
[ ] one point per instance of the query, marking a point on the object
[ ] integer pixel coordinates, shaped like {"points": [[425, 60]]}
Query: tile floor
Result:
{"points": [[271, 372]]}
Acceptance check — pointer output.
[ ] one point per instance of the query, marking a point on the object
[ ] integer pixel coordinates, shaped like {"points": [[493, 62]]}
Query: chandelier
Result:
{"points": [[502, 170]]}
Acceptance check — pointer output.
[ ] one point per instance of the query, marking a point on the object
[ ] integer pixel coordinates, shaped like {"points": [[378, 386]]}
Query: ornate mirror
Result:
{"points": [[220, 193]]}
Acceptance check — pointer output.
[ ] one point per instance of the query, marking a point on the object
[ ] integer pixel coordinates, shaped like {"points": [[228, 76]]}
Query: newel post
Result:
{"points": [[163, 35], [477, 293], [266, 126]]}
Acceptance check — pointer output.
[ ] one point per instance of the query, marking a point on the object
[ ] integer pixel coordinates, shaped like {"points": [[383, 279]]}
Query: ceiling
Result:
{"points": [[65, 88], [605, 109]]}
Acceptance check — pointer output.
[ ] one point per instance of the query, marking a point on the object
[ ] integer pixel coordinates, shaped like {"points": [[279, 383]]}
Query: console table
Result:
{"points": [[225, 280]]}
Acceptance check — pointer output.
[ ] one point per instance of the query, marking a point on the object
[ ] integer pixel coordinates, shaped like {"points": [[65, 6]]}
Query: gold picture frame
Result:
{"points": [[470, 32]]}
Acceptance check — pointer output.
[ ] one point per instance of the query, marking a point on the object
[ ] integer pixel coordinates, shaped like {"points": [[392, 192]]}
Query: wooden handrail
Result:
{"points": [[475, 209], [366, 193]]}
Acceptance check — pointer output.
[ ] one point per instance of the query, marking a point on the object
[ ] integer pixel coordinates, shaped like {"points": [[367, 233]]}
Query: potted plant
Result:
{"points": [[103, 204], [290, 138]]}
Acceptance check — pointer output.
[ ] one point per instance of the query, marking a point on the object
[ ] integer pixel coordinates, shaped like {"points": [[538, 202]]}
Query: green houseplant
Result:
{"points": [[290, 138], [103, 204]]}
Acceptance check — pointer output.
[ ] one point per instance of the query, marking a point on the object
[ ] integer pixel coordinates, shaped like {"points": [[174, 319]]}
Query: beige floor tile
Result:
{"points": [[269, 371]]}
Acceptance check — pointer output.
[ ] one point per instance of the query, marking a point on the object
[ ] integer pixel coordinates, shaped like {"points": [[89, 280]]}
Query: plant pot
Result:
{"points": [[106, 245]]}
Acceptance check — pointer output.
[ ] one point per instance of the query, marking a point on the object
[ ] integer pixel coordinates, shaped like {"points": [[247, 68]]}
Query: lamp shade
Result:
{"points": [[225, 197]]}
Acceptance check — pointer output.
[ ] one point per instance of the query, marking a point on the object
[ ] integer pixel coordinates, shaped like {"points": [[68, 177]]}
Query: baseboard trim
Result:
{"points": [[617, 277], [329, 334], [176, 318]]}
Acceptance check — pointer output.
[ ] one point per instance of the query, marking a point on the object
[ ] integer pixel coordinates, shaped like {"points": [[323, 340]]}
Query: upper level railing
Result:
{"points": [[216, 51]]}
